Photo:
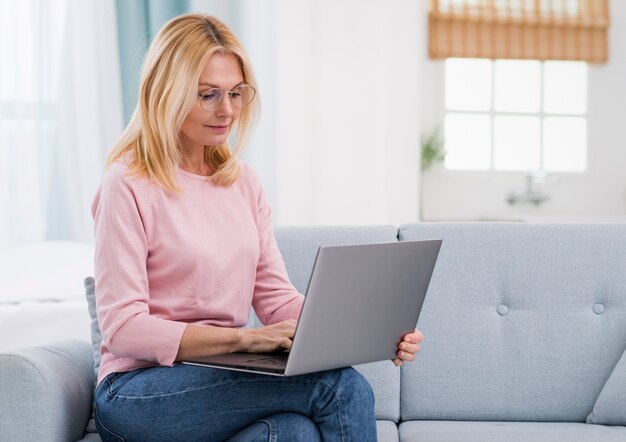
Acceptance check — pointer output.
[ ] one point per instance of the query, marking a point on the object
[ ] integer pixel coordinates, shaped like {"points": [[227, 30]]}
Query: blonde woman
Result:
{"points": [[184, 248]]}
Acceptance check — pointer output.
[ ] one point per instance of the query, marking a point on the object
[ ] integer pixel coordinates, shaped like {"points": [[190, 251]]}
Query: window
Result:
{"points": [[30, 43], [59, 108], [515, 115]]}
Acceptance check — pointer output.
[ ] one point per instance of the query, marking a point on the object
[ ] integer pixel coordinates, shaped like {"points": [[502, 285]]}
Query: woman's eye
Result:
{"points": [[208, 96]]}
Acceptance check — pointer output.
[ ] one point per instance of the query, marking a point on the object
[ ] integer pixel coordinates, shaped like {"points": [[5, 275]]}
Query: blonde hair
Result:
{"points": [[167, 92]]}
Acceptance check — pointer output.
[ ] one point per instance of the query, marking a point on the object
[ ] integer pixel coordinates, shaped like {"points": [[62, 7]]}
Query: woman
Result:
{"points": [[184, 248]]}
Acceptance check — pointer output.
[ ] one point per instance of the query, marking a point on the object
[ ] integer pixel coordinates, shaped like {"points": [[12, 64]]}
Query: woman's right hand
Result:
{"points": [[198, 341], [268, 338]]}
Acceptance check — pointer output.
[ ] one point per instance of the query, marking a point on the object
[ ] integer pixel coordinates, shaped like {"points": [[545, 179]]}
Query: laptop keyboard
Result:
{"points": [[271, 360]]}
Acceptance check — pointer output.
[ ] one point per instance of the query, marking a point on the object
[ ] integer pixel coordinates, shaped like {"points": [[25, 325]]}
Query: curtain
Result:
{"points": [[520, 29], [138, 21], [60, 112]]}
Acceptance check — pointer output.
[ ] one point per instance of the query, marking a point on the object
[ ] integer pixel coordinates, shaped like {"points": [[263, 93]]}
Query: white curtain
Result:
{"points": [[60, 112]]}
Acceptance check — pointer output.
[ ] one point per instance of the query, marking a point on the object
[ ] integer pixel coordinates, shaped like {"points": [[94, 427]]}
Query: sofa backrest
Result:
{"points": [[298, 246], [523, 322]]}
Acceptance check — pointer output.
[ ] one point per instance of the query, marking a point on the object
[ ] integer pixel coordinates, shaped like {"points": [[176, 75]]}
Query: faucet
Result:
{"points": [[531, 195]]}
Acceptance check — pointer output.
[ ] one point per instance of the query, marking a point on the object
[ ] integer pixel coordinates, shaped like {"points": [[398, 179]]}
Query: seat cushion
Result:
{"points": [[456, 431], [609, 408], [387, 431]]}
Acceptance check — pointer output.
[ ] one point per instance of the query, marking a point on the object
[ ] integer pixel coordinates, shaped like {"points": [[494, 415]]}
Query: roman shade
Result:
{"points": [[520, 29]]}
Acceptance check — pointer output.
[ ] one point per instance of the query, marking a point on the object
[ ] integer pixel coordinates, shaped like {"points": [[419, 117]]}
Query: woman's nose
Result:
{"points": [[226, 107]]}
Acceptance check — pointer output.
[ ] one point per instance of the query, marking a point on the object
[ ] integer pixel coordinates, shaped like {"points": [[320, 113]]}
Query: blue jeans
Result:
{"points": [[189, 403]]}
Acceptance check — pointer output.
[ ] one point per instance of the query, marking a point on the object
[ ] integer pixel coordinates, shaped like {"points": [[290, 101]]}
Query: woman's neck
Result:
{"points": [[193, 161]]}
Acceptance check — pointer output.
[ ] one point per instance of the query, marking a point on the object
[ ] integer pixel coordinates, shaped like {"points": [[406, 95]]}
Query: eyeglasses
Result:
{"points": [[239, 97]]}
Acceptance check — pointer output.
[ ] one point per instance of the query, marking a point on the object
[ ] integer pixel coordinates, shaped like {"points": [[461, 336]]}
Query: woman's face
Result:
{"points": [[211, 128]]}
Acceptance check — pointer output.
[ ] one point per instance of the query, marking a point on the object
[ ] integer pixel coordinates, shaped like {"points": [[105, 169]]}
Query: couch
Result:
{"points": [[525, 329]]}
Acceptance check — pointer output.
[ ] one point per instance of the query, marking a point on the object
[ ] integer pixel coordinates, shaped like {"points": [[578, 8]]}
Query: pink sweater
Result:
{"points": [[165, 260]]}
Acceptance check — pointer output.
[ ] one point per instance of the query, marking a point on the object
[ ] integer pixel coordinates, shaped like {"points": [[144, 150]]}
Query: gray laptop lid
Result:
{"points": [[360, 301]]}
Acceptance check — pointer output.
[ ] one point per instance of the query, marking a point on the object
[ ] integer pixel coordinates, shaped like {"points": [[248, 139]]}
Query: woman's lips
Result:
{"points": [[218, 129]]}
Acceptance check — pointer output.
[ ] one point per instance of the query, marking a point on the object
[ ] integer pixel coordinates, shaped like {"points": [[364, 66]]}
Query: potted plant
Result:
{"points": [[432, 145]]}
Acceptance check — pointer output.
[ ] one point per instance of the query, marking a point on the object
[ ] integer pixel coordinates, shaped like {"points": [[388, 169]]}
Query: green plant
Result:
{"points": [[433, 151]]}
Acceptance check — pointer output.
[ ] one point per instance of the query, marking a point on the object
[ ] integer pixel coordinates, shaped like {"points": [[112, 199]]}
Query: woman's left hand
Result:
{"points": [[408, 347]]}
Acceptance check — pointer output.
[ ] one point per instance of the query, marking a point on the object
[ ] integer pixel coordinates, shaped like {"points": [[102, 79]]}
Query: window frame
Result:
{"points": [[541, 114]]}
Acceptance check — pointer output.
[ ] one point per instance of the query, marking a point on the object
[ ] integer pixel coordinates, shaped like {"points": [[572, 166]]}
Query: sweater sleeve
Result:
{"points": [[122, 289], [275, 298]]}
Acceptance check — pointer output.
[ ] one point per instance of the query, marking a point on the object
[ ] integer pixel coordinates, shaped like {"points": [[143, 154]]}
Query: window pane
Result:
{"points": [[468, 84], [517, 85], [565, 144], [468, 141], [516, 143], [19, 146], [565, 87], [8, 50], [31, 37]]}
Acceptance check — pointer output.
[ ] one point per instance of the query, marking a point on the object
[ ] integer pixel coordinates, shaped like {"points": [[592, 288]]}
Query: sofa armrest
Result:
{"points": [[46, 392]]}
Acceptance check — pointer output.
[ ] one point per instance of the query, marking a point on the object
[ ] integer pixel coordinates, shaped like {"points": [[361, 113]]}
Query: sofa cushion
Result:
{"points": [[91, 437], [451, 431], [609, 407], [298, 245], [386, 431], [384, 378], [522, 322], [96, 335]]}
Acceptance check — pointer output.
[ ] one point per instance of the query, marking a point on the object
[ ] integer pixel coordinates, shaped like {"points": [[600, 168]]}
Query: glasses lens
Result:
{"points": [[243, 95], [211, 99]]}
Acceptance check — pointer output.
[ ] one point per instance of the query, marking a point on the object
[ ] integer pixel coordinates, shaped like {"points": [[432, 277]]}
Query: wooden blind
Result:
{"points": [[520, 29]]}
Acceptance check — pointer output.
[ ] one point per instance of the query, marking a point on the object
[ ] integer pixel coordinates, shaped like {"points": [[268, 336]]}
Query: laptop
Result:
{"points": [[361, 300]]}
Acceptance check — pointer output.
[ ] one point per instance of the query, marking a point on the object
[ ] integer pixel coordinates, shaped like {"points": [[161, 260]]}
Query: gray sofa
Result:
{"points": [[525, 329]]}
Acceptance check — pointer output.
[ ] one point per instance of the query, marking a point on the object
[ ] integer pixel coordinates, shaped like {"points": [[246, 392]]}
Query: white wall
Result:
{"points": [[254, 22], [338, 141], [347, 120], [598, 194]]}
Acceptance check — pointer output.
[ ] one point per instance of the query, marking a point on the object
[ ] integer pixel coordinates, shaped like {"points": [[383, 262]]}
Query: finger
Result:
{"points": [[286, 344], [409, 348], [414, 338], [397, 362], [292, 328], [406, 356]]}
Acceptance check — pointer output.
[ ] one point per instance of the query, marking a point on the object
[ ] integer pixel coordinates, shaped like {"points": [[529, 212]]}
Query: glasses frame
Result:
{"points": [[222, 94]]}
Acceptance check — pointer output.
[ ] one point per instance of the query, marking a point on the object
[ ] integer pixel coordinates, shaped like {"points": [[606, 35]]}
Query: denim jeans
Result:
{"points": [[190, 403]]}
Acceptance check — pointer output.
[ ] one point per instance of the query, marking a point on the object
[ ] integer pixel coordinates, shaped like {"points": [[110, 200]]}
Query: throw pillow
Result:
{"points": [[96, 336], [609, 407]]}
